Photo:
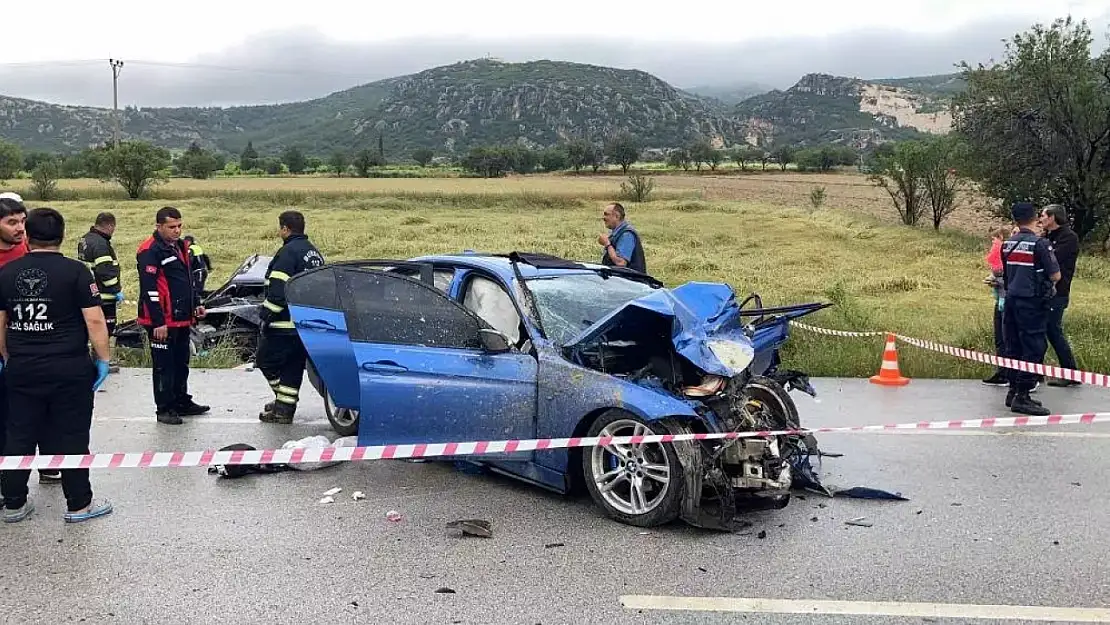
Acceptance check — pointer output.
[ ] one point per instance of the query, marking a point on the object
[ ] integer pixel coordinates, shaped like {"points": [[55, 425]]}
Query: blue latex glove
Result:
{"points": [[119, 297], [101, 373]]}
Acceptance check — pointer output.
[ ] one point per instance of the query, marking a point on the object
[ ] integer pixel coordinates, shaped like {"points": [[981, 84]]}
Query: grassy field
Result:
{"points": [[880, 275]]}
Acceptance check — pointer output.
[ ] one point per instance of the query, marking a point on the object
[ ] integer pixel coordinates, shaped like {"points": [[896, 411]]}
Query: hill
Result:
{"points": [[447, 108], [821, 108], [731, 94]]}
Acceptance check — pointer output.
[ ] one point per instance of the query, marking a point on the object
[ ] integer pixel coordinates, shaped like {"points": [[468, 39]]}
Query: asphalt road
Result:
{"points": [[1014, 518]]}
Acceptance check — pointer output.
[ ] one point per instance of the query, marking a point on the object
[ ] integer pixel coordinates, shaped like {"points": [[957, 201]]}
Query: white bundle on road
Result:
{"points": [[318, 442]]}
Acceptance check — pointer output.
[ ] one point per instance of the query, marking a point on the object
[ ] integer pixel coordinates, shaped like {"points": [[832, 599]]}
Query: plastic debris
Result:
{"points": [[859, 522], [445, 591], [393, 515], [333, 491], [327, 500], [318, 442], [471, 527], [358, 495], [554, 545]]}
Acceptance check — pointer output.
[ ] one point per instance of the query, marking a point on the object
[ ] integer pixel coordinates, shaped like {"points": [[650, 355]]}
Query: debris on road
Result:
{"points": [[445, 591], [859, 522], [814, 519], [327, 500], [333, 491], [554, 545], [318, 442], [762, 534], [471, 527], [358, 495], [393, 515]]}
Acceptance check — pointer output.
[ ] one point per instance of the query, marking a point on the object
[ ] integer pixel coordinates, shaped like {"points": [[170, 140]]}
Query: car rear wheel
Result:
{"points": [[639, 485], [343, 420]]}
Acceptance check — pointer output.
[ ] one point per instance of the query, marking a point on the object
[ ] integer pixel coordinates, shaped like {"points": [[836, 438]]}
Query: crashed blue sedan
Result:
{"points": [[518, 346]]}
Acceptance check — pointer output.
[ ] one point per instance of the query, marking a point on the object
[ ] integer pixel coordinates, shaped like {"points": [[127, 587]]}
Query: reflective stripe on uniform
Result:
{"points": [[273, 383], [108, 297], [102, 259], [272, 306], [166, 261], [281, 324], [112, 282], [286, 399], [279, 275]]}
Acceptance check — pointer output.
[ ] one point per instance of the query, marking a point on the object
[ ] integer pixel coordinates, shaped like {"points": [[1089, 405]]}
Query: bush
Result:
{"points": [[44, 179], [817, 197], [637, 189]]}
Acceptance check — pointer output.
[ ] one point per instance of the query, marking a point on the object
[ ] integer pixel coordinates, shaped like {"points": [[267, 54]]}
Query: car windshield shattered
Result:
{"points": [[569, 304]]}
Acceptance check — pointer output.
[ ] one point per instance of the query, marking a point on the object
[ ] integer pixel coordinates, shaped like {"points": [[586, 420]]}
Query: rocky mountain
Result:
{"points": [[832, 109], [730, 94], [447, 108]]}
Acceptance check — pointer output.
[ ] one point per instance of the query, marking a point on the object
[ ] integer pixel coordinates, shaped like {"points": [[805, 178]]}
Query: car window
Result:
{"points": [[569, 304], [486, 298], [441, 276], [386, 308], [315, 289]]}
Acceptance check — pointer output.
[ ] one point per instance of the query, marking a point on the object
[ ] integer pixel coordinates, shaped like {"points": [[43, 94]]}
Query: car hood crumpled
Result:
{"points": [[697, 311]]}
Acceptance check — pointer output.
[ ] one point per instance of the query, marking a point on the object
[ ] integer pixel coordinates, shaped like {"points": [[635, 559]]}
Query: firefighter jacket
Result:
{"points": [[95, 250], [167, 291], [296, 255]]}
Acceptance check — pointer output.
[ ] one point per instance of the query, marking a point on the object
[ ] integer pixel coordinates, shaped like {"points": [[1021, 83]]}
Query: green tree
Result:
{"points": [[273, 166], [32, 159], [623, 149], [11, 160], [554, 159], [134, 165], [902, 177], [197, 163], [941, 179], [44, 178], [1036, 124], [488, 162], [339, 162], [521, 160], [784, 155], [679, 157], [248, 159], [294, 159], [423, 156], [744, 154], [580, 153], [366, 160], [700, 151]]}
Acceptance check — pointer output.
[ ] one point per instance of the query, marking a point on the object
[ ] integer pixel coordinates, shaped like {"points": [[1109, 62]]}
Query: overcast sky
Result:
{"points": [[209, 53]]}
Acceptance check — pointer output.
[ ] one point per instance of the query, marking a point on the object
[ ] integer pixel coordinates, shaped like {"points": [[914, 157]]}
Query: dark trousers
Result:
{"points": [[999, 335], [1025, 322], [5, 409], [171, 369], [51, 411], [109, 309], [1056, 336], [281, 357]]}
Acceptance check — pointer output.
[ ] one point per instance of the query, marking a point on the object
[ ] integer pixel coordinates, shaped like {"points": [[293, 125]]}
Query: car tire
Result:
{"points": [[640, 471], [343, 420]]}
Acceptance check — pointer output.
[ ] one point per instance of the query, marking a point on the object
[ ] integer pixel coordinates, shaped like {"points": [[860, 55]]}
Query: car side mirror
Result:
{"points": [[494, 341]]}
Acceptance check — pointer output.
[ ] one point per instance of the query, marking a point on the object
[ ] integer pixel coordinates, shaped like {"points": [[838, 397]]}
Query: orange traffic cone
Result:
{"points": [[889, 375]]}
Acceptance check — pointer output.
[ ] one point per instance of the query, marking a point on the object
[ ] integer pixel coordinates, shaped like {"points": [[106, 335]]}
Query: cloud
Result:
{"points": [[303, 64]]}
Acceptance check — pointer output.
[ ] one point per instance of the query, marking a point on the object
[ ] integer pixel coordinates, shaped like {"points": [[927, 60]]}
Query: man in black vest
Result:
{"points": [[1065, 245], [1031, 273], [623, 247], [96, 251]]}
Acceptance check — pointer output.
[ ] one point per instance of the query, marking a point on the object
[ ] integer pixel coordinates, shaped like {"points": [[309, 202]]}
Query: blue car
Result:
{"points": [[518, 346]]}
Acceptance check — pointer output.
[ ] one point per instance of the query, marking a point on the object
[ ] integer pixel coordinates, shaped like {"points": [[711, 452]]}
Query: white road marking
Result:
{"points": [[866, 608], [201, 420]]}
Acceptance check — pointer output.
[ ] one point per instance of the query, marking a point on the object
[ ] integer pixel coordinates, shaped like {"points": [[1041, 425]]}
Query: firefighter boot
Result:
{"points": [[267, 412], [281, 414]]}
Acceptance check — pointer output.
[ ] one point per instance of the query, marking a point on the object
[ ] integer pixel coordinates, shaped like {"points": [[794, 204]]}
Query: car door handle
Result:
{"points": [[384, 366], [318, 324]]}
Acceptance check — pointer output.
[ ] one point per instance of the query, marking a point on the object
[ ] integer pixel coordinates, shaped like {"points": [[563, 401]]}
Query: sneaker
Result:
{"points": [[998, 379], [193, 409], [169, 417], [97, 508], [50, 476], [17, 515]]}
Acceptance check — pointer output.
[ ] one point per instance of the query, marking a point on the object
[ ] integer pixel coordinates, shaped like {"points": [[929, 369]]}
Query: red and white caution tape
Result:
{"points": [[151, 459], [1085, 377]]}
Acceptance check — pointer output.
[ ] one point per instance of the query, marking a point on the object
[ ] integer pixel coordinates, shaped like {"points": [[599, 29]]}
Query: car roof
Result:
{"points": [[501, 266]]}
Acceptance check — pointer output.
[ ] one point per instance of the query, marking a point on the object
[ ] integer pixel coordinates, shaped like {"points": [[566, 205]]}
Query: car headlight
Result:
{"points": [[732, 354]]}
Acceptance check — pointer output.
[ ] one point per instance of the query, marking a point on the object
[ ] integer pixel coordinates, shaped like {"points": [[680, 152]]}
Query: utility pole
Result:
{"points": [[117, 66]]}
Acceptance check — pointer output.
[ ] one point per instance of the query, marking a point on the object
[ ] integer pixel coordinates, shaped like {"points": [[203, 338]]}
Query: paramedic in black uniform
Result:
{"points": [[50, 308], [1031, 273]]}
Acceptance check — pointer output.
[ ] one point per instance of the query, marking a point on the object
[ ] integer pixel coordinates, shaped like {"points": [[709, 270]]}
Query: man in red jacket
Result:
{"points": [[13, 245], [168, 308]]}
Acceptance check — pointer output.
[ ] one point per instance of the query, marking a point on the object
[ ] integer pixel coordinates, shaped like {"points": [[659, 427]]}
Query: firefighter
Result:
{"points": [[50, 310], [168, 308], [96, 251], [281, 357]]}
